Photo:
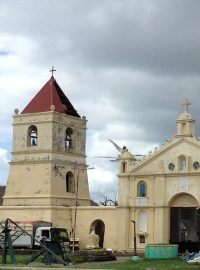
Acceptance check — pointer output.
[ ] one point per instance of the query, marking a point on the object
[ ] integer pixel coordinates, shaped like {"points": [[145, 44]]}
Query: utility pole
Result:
{"points": [[134, 250]]}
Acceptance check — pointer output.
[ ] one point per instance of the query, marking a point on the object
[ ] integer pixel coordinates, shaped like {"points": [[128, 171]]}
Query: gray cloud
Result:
{"points": [[127, 65], [152, 36]]}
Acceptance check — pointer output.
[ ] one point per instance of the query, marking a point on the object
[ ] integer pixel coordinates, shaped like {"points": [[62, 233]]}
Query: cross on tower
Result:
{"points": [[52, 71], [186, 104]]}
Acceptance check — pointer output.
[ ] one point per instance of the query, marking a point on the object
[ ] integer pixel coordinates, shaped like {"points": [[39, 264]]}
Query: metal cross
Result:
{"points": [[52, 71], [186, 104]]}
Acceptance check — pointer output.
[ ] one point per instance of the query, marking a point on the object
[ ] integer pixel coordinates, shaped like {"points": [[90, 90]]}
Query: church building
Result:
{"points": [[162, 191], [48, 180]]}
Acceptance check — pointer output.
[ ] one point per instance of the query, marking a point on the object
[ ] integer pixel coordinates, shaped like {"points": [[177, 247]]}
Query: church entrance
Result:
{"points": [[185, 222], [185, 228]]}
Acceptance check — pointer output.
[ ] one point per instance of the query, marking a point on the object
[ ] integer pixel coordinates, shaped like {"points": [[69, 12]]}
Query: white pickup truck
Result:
{"points": [[38, 230]]}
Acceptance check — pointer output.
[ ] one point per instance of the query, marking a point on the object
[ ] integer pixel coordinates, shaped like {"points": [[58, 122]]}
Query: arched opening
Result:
{"points": [[32, 139], [98, 227], [185, 222], [68, 138], [142, 189], [70, 183]]}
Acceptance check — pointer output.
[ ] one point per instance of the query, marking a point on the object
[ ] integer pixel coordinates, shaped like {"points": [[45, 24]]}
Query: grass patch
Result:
{"points": [[20, 259], [144, 264]]}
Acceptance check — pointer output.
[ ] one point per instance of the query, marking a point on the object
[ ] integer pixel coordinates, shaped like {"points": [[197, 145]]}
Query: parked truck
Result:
{"points": [[38, 230]]}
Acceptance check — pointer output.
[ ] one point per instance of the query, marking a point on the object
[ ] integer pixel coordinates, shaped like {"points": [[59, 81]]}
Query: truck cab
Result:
{"points": [[51, 233]]}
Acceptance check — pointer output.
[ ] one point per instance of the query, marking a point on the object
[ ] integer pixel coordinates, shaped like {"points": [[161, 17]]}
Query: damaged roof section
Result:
{"points": [[51, 94]]}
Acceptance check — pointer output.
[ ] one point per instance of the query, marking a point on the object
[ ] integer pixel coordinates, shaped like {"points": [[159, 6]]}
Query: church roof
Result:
{"points": [[50, 94]]}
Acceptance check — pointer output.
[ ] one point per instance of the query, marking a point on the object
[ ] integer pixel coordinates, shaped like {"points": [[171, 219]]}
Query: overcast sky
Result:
{"points": [[126, 65]]}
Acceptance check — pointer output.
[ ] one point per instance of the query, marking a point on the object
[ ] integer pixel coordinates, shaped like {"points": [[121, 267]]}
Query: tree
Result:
{"points": [[106, 200]]}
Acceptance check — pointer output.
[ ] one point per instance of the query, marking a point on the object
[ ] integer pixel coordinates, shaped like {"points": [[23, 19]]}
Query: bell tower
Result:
{"points": [[185, 123], [48, 153]]}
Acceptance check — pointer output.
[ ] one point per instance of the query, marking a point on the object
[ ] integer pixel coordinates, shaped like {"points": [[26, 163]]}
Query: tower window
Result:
{"points": [[68, 138], [32, 136], [124, 167], [142, 189], [183, 128], [70, 183]]}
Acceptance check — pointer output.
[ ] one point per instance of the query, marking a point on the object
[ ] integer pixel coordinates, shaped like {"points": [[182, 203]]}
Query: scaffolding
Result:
{"points": [[51, 250]]}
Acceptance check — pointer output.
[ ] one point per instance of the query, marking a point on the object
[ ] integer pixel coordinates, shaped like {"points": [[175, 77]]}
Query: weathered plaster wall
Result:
{"points": [[87, 215]]}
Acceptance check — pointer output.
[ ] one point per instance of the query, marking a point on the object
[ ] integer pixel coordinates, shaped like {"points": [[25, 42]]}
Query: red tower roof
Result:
{"points": [[51, 94]]}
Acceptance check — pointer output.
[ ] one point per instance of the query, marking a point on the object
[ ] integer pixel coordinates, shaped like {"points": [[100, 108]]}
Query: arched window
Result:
{"points": [[142, 189], [70, 183], [68, 138], [142, 217], [182, 163], [32, 136]]}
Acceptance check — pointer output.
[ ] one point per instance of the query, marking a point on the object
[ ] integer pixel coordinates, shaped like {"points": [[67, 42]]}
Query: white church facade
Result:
{"points": [[48, 180]]}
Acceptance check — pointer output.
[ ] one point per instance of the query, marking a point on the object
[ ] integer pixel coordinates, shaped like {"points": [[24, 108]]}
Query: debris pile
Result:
{"points": [[193, 257]]}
